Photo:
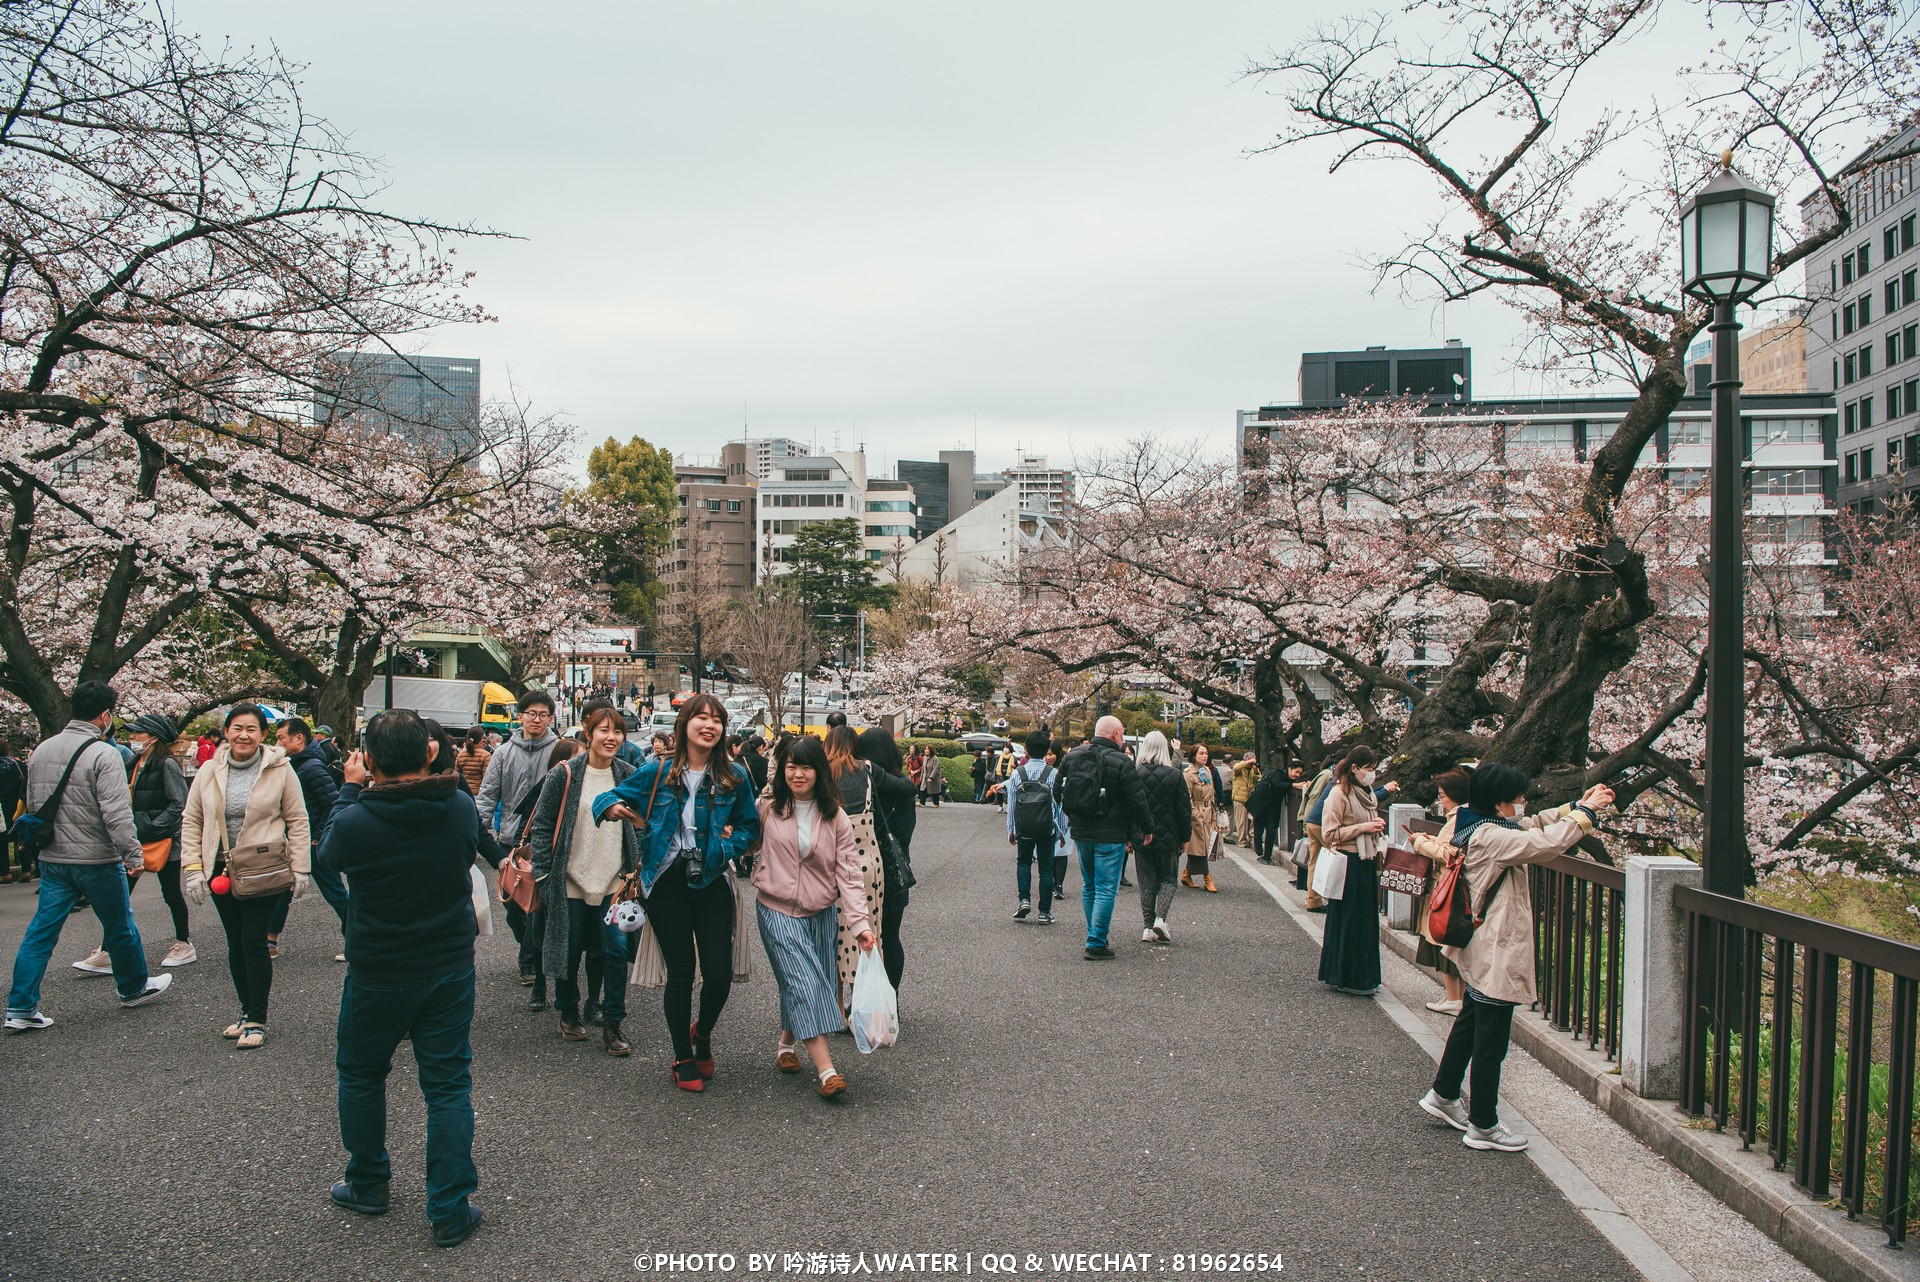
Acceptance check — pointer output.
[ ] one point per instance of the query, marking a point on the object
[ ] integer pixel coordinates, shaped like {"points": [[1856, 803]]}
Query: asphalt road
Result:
{"points": [[1208, 1098]]}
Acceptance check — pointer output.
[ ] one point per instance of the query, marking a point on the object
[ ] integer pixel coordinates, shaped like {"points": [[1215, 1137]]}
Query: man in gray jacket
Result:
{"points": [[90, 850], [517, 766]]}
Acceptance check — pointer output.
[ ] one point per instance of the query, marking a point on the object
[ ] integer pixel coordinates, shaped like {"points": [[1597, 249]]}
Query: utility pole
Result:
{"points": [[696, 655]]}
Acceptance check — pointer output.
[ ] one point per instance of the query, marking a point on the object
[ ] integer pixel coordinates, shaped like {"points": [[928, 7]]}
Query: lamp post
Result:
{"points": [[1726, 256]]}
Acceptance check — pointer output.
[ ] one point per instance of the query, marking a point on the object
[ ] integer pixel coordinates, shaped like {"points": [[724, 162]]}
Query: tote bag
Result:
{"points": [[1330, 874]]}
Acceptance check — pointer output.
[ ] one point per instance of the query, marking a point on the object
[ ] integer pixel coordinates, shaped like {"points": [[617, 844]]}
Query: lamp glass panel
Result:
{"points": [[1759, 239], [1720, 237], [1688, 263]]}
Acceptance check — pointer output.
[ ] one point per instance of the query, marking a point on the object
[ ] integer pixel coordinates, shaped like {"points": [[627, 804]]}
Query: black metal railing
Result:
{"points": [[1579, 921], [1765, 993]]}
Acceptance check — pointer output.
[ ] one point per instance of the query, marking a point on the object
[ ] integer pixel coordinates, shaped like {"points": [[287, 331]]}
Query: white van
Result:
{"points": [[662, 721]]}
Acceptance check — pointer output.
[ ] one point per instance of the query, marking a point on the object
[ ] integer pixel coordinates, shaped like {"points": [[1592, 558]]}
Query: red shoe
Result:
{"points": [[705, 1065], [686, 1075]]}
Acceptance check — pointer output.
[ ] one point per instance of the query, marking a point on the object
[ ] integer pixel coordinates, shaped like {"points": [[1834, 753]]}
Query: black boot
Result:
{"points": [[611, 1039], [537, 995]]}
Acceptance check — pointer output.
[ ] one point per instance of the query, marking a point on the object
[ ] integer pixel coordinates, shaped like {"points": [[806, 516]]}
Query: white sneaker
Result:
{"points": [[1451, 1111], [1445, 1006], [1160, 929], [156, 985], [95, 963], [1497, 1138], [28, 1022], [181, 954], [339, 957], [1148, 937]]}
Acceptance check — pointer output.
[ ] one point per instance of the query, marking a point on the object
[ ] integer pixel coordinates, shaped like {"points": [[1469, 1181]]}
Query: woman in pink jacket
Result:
{"points": [[807, 861]]}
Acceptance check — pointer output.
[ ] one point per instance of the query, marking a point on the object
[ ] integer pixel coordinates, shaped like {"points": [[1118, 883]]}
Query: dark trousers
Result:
{"points": [[245, 922], [9, 848], [1481, 1032], [1266, 832], [437, 1014], [585, 940], [892, 955], [685, 920], [1030, 849]]}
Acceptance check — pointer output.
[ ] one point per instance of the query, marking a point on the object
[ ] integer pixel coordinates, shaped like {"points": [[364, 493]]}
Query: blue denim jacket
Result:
{"points": [[712, 813]]}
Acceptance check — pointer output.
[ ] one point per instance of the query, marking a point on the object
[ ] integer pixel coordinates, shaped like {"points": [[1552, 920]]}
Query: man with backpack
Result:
{"points": [[79, 817], [1106, 807], [1034, 822]]}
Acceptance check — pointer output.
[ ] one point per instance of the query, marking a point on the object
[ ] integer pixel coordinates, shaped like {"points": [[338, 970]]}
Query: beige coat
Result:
{"points": [[1436, 847], [1498, 960], [1200, 790], [1347, 821], [276, 811]]}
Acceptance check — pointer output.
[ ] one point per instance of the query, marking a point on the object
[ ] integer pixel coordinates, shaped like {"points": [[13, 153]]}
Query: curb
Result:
{"points": [[1824, 1240]]}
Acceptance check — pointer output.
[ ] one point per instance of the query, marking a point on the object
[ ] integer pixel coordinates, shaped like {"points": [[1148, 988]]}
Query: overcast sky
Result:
{"points": [[1032, 225]]}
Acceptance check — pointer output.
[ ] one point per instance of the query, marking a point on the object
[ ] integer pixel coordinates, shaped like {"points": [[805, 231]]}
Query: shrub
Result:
{"points": [[1148, 702], [959, 775], [1200, 730], [1239, 733]]}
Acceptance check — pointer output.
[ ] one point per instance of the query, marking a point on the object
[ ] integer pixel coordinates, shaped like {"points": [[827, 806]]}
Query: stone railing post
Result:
{"points": [[1399, 906], [1653, 999]]}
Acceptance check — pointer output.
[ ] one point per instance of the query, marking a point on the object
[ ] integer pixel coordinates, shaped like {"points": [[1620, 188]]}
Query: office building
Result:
{"points": [[433, 399], [948, 488], [761, 456], [1773, 358], [714, 546], [891, 523], [1041, 488], [1864, 322], [801, 491], [1435, 373], [979, 547]]}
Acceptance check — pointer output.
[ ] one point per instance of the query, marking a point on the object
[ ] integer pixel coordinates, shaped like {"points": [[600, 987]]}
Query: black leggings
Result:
{"points": [[584, 942], [685, 919], [170, 891], [1480, 1035], [892, 908], [246, 921]]}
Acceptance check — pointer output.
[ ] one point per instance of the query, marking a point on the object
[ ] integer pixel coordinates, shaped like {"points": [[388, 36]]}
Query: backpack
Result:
{"points": [[1033, 807], [1451, 920], [1083, 794]]}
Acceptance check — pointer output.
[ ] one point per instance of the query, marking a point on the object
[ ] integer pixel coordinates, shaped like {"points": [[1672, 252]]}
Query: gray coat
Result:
{"points": [[550, 834], [94, 824], [515, 769]]}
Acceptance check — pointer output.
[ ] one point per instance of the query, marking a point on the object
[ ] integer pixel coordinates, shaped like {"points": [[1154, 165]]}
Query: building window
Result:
{"points": [[1852, 468], [1890, 241], [1866, 361], [1863, 258], [1787, 431], [1893, 455], [1893, 401], [1846, 269], [1893, 348], [1866, 464], [1776, 480], [1849, 419], [1850, 369], [806, 474], [733, 506], [1865, 308], [1847, 314], [1906, 233], [1687, 431], [1909, 342], [1687, 479], [1866, 412], [1533, 436]]}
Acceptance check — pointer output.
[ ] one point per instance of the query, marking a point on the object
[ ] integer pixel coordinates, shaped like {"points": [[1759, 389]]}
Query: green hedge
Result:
{"points": [[945, 747], [959, 773]]}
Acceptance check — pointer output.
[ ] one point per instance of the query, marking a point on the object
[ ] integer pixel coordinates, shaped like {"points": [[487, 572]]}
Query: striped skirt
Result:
{"points": [[800, 952]]}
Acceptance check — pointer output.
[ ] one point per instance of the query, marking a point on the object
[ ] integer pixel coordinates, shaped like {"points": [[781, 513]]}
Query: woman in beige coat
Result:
{"points": [[1350, 827], [1203, 790], [1497, 963], [247, 795]]}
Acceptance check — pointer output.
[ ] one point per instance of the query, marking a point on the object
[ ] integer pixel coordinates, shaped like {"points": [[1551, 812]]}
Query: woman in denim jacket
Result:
{"points": [[696, 814]]}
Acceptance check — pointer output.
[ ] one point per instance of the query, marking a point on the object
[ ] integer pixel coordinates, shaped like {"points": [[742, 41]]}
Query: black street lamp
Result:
{"points": [[1726, 257]]}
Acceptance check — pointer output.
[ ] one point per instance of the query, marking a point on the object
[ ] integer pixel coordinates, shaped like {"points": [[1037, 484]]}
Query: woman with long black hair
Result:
{"points": [[892, 801], [810, 887], [853, 782], [1351, 824], [696, 814]]}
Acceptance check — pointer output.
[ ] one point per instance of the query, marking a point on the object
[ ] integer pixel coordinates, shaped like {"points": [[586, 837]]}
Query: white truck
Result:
{"points": [[455, 704]]}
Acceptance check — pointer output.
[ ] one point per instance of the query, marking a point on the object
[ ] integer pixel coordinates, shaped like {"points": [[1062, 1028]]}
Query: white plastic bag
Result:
{"points": [[1330, 874], [482, 901], [876, 1009]]}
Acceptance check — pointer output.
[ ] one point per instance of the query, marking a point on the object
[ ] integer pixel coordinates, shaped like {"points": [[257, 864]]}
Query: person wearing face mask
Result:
{"points": [[1351, 826], [1495, 839], [248, 795], [1454, 786], [159, 789], [1203, 839]]}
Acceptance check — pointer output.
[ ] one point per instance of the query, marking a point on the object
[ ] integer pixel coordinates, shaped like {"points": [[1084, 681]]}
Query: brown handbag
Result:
{"points": [[1404, 870], [259, 869]]}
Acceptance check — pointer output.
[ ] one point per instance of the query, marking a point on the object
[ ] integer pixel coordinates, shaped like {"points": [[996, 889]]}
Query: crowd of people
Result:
{"points": [[607, 836]]}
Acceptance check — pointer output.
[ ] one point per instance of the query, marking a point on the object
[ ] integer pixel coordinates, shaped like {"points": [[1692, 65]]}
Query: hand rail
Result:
{"points": [[1579, 925]]}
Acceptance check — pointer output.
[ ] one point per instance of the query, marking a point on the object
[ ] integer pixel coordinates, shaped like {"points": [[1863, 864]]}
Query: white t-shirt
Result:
{"points": [[688, 842], [593, 865]]}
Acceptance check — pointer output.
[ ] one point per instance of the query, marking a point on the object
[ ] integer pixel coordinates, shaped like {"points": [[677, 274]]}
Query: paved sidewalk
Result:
{"points": [[1209, 1097]]}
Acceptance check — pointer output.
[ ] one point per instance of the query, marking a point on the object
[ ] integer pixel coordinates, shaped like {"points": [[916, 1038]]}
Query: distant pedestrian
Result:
{"points": [[471, 760], [319, 791], [248, 795], [1245, 776], [933, 778], [808, 885], [1312, 806], [1106, 809], [77, 787], [1351, 826], [981, 769], [405, 840], [1496, 840], [1267, 809], [1158, 863], [13, 791], [1034, 820], [1203, 840], [893, 823], [159, 790]]}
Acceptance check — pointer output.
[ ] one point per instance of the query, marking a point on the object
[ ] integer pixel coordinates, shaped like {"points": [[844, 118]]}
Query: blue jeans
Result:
{"points": [[1030, 849], [438, 1013], [1100, 865], [61, 886]]}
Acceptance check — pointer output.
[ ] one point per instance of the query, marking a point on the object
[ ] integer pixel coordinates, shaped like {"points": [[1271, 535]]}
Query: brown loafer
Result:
{"points": [[611, 1039], [833, 1086], [788, 1059], [570, 1031]]}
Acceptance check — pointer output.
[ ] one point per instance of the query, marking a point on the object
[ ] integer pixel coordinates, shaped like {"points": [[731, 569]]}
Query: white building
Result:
{"points": [[979, 546], [891, 514], [1041, 488], [797, 492]]}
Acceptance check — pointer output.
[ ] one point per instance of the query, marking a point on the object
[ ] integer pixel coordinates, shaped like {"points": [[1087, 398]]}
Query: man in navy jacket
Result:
{"points": [[406, 843]]}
